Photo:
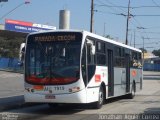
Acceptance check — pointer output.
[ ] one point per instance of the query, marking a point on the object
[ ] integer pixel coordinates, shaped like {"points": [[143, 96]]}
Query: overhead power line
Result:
{"points": [[149, 43], [149, 32], [155, 3], [106, 5], [145, 15], [115, 5], [137, 15], [112, 6], [153, 38], [124, 7]]}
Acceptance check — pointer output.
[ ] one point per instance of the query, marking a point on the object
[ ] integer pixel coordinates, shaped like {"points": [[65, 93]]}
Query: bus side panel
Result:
{"points": [[95, 82], [136, 75], [119, 81]]}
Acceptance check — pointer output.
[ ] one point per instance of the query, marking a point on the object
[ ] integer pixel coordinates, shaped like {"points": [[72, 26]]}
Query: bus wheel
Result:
{"points": [[99, 103], [133, 90]]}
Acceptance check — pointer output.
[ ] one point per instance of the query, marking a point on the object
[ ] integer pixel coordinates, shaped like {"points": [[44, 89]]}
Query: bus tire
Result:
{"points": [[101, 98], [133, 90]]}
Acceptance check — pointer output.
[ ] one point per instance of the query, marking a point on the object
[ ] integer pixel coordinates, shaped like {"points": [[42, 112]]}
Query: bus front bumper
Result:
{"points": [[77, 97]]}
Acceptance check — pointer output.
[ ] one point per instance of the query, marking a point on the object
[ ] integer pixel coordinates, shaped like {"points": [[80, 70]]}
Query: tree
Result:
{"points": [[9, 47], [156, 52]]}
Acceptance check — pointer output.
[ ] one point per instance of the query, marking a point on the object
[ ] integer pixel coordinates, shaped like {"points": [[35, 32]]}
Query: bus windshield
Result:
{"points": [[52, 62]]}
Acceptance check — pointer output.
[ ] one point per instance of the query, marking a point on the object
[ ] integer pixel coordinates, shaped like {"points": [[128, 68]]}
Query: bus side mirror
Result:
{"points": [[92, 47], [21, 54]]}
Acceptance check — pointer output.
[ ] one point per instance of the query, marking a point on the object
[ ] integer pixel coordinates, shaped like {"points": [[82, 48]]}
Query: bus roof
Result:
{"points": [[86, 33], [111, 41]]}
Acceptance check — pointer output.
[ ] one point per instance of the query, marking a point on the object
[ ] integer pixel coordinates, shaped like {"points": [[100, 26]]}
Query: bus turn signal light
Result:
{"points": [[38, 87]]}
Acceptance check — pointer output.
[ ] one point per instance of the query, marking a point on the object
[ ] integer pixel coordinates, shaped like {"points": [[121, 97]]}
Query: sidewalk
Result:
{"points": [[11, 90], [152, 73], [11, 84]]}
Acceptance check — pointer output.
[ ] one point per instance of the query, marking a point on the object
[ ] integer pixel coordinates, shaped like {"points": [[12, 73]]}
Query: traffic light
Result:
{"points": [[3, 0]]}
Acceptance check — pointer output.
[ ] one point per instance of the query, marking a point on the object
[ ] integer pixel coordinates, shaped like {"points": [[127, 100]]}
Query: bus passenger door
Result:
{"points": [[127, 61], [110, 73]]}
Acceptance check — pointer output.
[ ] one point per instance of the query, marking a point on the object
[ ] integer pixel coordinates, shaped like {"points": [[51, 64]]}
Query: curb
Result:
{"points": [[149, 77]]}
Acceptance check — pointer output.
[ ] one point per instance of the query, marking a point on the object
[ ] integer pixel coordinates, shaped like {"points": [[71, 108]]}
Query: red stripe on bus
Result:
{"points": [[36, 80]]}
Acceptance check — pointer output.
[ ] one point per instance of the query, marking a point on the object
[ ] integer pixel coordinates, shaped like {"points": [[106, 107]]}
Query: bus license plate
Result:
{"points": [[50, 96]]}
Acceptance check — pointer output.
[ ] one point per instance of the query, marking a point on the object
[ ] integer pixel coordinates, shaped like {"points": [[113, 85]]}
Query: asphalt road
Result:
{"points": [[145, 102], [11, 84]]}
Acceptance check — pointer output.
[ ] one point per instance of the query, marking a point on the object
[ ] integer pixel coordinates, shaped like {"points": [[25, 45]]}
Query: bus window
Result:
{"points": [[54, 61], [136, 61], [139, 60], [119, 57], [100, 53]]}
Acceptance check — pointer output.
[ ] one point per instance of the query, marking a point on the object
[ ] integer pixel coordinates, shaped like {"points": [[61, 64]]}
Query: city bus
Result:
{"points": [[73, 66]]}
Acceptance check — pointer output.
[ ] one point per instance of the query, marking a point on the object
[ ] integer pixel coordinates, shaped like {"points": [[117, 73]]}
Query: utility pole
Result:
{"points": [[104, 30], [92, 14], [143, 49], [127, 23], [131, 40], [134, 38]]}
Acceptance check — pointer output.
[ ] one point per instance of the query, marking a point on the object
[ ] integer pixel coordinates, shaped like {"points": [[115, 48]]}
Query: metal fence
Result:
{"points": [[151, 67], [10, 64]]}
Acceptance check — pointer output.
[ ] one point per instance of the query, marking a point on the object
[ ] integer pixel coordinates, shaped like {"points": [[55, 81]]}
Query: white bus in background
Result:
{"points": [[70, 66]]}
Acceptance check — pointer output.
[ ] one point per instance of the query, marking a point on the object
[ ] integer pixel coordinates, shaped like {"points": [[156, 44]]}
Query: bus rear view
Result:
{"points": [[52, 68]]}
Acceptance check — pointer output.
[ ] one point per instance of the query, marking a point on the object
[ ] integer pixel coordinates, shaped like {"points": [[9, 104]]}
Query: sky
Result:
{"points": [[109, 17]]}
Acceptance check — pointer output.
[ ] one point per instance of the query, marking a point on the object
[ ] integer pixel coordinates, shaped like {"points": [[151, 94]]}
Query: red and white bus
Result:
{"points": [[70, 66]]}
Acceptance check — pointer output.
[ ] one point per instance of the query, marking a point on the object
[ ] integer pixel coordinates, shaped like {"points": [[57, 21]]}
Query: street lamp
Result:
{"points": [[26, 2]]}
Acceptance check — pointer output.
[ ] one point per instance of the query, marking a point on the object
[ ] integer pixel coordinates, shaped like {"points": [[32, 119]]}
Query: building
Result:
{"points": [[151, 62]]}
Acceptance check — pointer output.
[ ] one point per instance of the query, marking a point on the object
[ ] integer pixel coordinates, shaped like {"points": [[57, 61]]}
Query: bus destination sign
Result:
{"points": [[49, 38]]}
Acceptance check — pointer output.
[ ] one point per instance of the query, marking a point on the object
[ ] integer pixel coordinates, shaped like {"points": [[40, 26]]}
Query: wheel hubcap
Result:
{"points": [[100, 97]]}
